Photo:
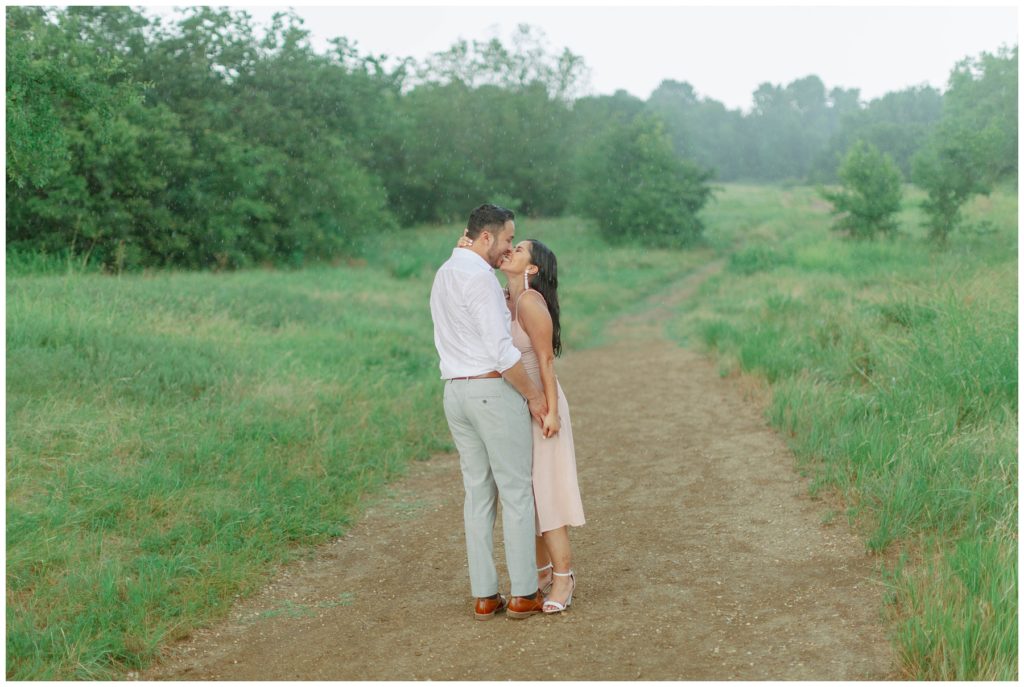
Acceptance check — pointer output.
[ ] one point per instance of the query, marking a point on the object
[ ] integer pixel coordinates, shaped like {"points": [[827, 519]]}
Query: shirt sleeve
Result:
{"points": [[489, 312]]}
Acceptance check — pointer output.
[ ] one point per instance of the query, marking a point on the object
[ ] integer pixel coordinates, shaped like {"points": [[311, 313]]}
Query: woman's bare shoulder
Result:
{"points": [[533, 307]]}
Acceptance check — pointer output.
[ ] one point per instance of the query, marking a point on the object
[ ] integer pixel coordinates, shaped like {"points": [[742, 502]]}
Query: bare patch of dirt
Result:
{"points": [[703, 557]]}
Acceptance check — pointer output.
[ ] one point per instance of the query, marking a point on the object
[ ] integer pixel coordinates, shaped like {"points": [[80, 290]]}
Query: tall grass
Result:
{"points": [[169, 436], [172, 437], [893, 370]]}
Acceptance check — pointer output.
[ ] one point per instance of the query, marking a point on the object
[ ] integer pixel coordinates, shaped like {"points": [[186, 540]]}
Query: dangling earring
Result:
{"points": [[526, 281]]}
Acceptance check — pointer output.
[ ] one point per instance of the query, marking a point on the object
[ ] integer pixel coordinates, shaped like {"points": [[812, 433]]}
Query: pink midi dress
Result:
{"points": [[555, 487]]}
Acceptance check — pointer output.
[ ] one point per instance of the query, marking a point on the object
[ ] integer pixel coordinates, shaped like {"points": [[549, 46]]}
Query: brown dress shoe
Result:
{"points": [[524, 606], [486, 608]]}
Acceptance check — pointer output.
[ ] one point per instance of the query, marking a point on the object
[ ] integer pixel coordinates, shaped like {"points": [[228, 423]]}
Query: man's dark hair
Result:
{"points": [[487, 215]]}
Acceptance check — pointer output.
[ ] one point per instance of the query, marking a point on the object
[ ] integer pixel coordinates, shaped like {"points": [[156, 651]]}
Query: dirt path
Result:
{"points": [[703, 557]]}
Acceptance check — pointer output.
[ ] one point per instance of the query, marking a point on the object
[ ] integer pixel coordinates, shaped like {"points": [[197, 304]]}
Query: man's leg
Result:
{"points": [[510, 447], [479, 508]]}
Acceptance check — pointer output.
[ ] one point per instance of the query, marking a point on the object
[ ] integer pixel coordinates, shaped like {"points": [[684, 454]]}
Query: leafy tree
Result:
{"points": [[636, 188], [310, 119], [871, 194], [98, 182], [898, 123], [982, 99], [787, 129], [594, 116], [951, 169], [975, 143], [53, 78], [242, 151], [487, 120], [676, 103], [701, 129], [469, 144], [525, 62]]}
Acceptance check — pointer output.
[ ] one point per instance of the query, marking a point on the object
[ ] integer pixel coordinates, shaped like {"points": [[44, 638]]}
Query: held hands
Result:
{"points": [[551, 424], [538, 408]]}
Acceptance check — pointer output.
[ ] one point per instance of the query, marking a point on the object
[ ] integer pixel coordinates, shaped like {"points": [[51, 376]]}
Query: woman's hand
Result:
{"points": [[551, 424], [464, 242]]}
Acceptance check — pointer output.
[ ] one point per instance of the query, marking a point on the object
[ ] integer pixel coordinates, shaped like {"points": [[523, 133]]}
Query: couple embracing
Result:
{"points": [[507, 414]]}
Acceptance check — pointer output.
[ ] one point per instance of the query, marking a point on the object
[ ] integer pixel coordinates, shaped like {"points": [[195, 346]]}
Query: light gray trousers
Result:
{"points": [[490, 424]]}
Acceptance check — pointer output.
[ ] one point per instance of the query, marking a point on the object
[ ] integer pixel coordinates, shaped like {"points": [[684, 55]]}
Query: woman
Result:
{"points": [[532, 298]]}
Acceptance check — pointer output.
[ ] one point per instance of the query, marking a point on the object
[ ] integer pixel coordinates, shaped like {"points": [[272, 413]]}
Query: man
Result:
{"points": [[485, 384]]}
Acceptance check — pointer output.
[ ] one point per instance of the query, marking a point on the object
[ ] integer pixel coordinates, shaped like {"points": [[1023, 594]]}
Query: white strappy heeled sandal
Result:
{"points": [[546, 588], [555, 606]]}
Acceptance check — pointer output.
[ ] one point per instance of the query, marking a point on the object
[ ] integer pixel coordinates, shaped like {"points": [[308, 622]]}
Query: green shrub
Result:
{"points": [[951, 172], [872, 190], [636, 188]]}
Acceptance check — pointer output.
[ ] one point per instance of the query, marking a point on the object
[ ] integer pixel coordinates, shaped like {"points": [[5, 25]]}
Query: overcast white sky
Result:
{"points": [[725, 52]]}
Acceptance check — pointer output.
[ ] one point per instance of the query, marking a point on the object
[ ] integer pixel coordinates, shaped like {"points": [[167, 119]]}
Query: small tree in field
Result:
{"points": [[871, 194], [951, 170]]}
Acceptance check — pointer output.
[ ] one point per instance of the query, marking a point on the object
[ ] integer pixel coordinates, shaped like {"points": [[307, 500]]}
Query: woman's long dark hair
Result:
{"points": [[546, 282]]}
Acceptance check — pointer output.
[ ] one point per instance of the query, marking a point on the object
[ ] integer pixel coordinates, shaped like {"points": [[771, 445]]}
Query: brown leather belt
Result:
{"points": [[486, 375]]}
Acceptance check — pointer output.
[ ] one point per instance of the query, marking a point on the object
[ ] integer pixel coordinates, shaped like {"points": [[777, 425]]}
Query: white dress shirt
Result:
{"points": [[472, 325]]}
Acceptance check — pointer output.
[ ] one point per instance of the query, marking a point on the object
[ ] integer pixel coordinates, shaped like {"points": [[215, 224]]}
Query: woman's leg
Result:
{"points": [[543, 565], [560, 552]]}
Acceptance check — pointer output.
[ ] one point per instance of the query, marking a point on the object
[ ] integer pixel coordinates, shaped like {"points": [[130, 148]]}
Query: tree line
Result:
{"points": [[205, 142]]}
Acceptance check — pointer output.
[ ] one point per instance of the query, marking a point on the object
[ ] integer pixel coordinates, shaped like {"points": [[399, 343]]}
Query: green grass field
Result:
{"points": [[893, 371], [172, 437]]}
